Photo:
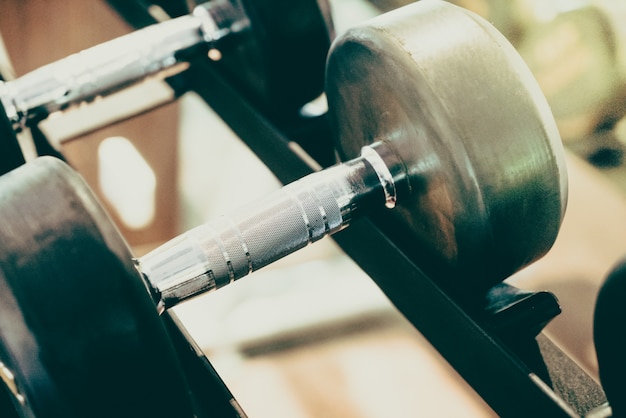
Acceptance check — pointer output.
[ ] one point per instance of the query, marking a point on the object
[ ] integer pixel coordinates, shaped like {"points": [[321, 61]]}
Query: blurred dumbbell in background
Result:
{"points": [[266, 56]]}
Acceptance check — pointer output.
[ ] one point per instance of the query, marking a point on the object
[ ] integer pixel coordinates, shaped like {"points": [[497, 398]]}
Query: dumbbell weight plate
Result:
{"points": [[10, 153], [173, 8], [78, 329], [609, 337], [488, 187], [281, 61]]}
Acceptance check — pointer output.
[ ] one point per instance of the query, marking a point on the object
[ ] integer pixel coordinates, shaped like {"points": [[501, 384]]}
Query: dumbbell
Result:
{"points": [[277, 49], [609, 337], [577, 54], [437, 118]]}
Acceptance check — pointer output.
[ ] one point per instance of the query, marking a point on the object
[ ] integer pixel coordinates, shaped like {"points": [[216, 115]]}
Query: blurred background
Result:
{"points": [[312, 335]]}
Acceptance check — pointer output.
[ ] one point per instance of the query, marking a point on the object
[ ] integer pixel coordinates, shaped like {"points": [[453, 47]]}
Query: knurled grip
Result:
{"points": [[217, 253]]}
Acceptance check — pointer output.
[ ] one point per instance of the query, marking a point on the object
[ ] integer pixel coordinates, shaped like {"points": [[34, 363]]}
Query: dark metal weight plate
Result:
{"points": [[78, 330], [10, 153], [464, 114], [610, 338], [281, 61]]}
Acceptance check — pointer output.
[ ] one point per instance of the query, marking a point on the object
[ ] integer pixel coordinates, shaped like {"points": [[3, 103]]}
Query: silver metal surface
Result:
{"points": [[215, 254], [113, 65], [462, 111]]}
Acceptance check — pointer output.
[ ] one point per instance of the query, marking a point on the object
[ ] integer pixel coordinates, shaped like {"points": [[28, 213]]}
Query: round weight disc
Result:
{"points": [[610, 338], [79, 334], [10, 153], [459, 107], [281, 60]]}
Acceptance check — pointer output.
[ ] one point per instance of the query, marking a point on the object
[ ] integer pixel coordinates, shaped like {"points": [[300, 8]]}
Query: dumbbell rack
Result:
{"points": [[515, 368]]}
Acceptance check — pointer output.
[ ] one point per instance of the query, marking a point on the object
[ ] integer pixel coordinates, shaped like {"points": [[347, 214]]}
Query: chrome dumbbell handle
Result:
{"points": [[118, 63], [215, 254]]}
